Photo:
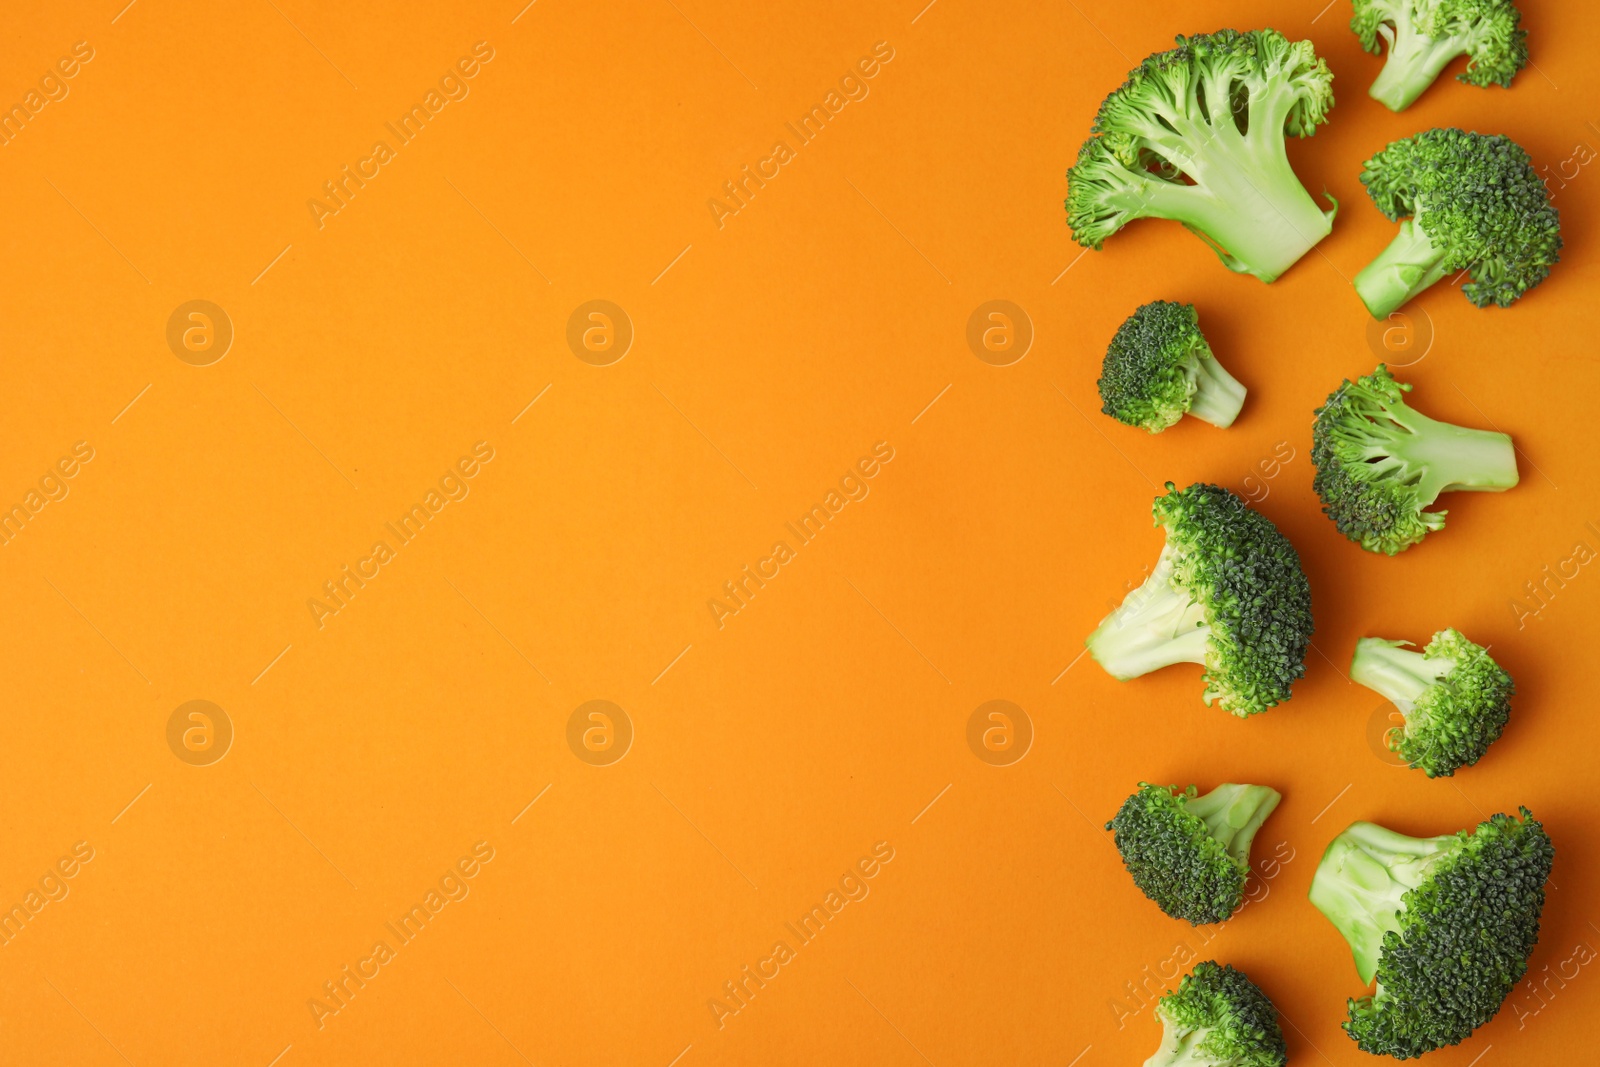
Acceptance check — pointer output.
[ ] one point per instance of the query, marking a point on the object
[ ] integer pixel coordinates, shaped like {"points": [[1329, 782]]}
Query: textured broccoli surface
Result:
{"points": [[1379, 463], [1227, 591], [1159, 367], [1218, 1017], [1445, 925], [1423, 36], [1470, 202], [1191, 854], [1214, 112], [1455, 699]]}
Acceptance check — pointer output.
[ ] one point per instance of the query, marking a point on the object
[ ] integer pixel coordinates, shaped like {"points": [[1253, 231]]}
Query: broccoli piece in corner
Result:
{"points": [[1425, 35], [1445, 925], [1159, 366], [1191, 854], [1379, 463], [1455, 699], [1227, 591], [1218, 1017], [1214, 110], [1470, 202]]}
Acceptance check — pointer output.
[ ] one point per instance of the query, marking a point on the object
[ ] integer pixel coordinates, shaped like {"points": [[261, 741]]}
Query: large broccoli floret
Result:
{"points": [[1227, 591], [1159, 366], [1191, 854], [1425, 35], [1475, 203], [1379, 463], [1445, 924], [1215, 111], [1218, 1017], [1455, 699]]}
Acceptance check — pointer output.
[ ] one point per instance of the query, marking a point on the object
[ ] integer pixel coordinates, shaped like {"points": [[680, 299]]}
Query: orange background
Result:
{"points": [[770, 754]]}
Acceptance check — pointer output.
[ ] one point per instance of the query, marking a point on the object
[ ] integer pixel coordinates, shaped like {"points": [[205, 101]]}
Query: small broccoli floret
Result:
{"points": [[1218, 1017], [1227, 591], [1191, 854], [1475, 203], [1159, 366], [1445, 925], [1423, 36], [1214, 110], [1455, 699], [1379, 463]]}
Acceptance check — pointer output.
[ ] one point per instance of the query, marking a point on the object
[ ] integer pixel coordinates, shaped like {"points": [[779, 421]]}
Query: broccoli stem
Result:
{"points": [[1218, 395], [1394, 672], [1181, 1046], [1451, 457], [1233, 814], [1363, 878], [1248, 203], [1414, 63], [1155, 626], [1408, 266]]}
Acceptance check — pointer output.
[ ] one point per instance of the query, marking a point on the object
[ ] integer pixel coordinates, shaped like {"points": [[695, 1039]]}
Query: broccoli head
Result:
{"points": [[1218, 1017], [1379, 463], [1191, 854], [1159, 366], [1445, 925], [1470, 202], [1227, 591], [1455, 699], [1214, 110], [1425, 35]]}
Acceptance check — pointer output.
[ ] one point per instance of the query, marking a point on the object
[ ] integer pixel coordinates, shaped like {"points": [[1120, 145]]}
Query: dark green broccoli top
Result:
{"points": [[1217, 1015], [1148, 373]]}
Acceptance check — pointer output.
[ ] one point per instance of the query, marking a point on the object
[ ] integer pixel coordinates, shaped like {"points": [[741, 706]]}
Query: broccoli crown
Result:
{"points": [[1189, 854], [1456, 700], [1215, 110], [1248, 579], [1451, 921], [1481, 207], [1158, 367], [1425, 35], [1379, 463], [1218, 1017]]}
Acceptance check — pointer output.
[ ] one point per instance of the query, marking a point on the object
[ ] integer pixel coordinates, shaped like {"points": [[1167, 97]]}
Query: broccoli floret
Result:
{"points": [[1218, 1017], [1159, 366], [1455, 699], [1191, 854], [1425, 35], [1227, 591], [1470, 202], [1379, 462], [1214, 110], [1445, 924]]}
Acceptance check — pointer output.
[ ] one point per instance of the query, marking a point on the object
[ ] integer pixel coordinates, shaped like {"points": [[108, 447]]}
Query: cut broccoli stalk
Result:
{"points": [[1155, 626], [1218, 395], [1398, 675], [1406, 267], [1233, 813], [1451, 458], [1413, 64], [1362, 882]]}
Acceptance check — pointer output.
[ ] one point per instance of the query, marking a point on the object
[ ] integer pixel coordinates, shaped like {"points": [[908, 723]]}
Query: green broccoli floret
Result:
{"points": [[1425, 35], [1227, 591], [1455, 699], [1214, 110], [1159, 366], [1218, 1017], [1191, 854], [1379, 462], [1470, 202], [1445, 924]]}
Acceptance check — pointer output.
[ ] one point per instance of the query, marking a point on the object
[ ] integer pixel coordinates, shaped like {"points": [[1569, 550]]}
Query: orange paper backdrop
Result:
{"points": [[398, 500]]}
